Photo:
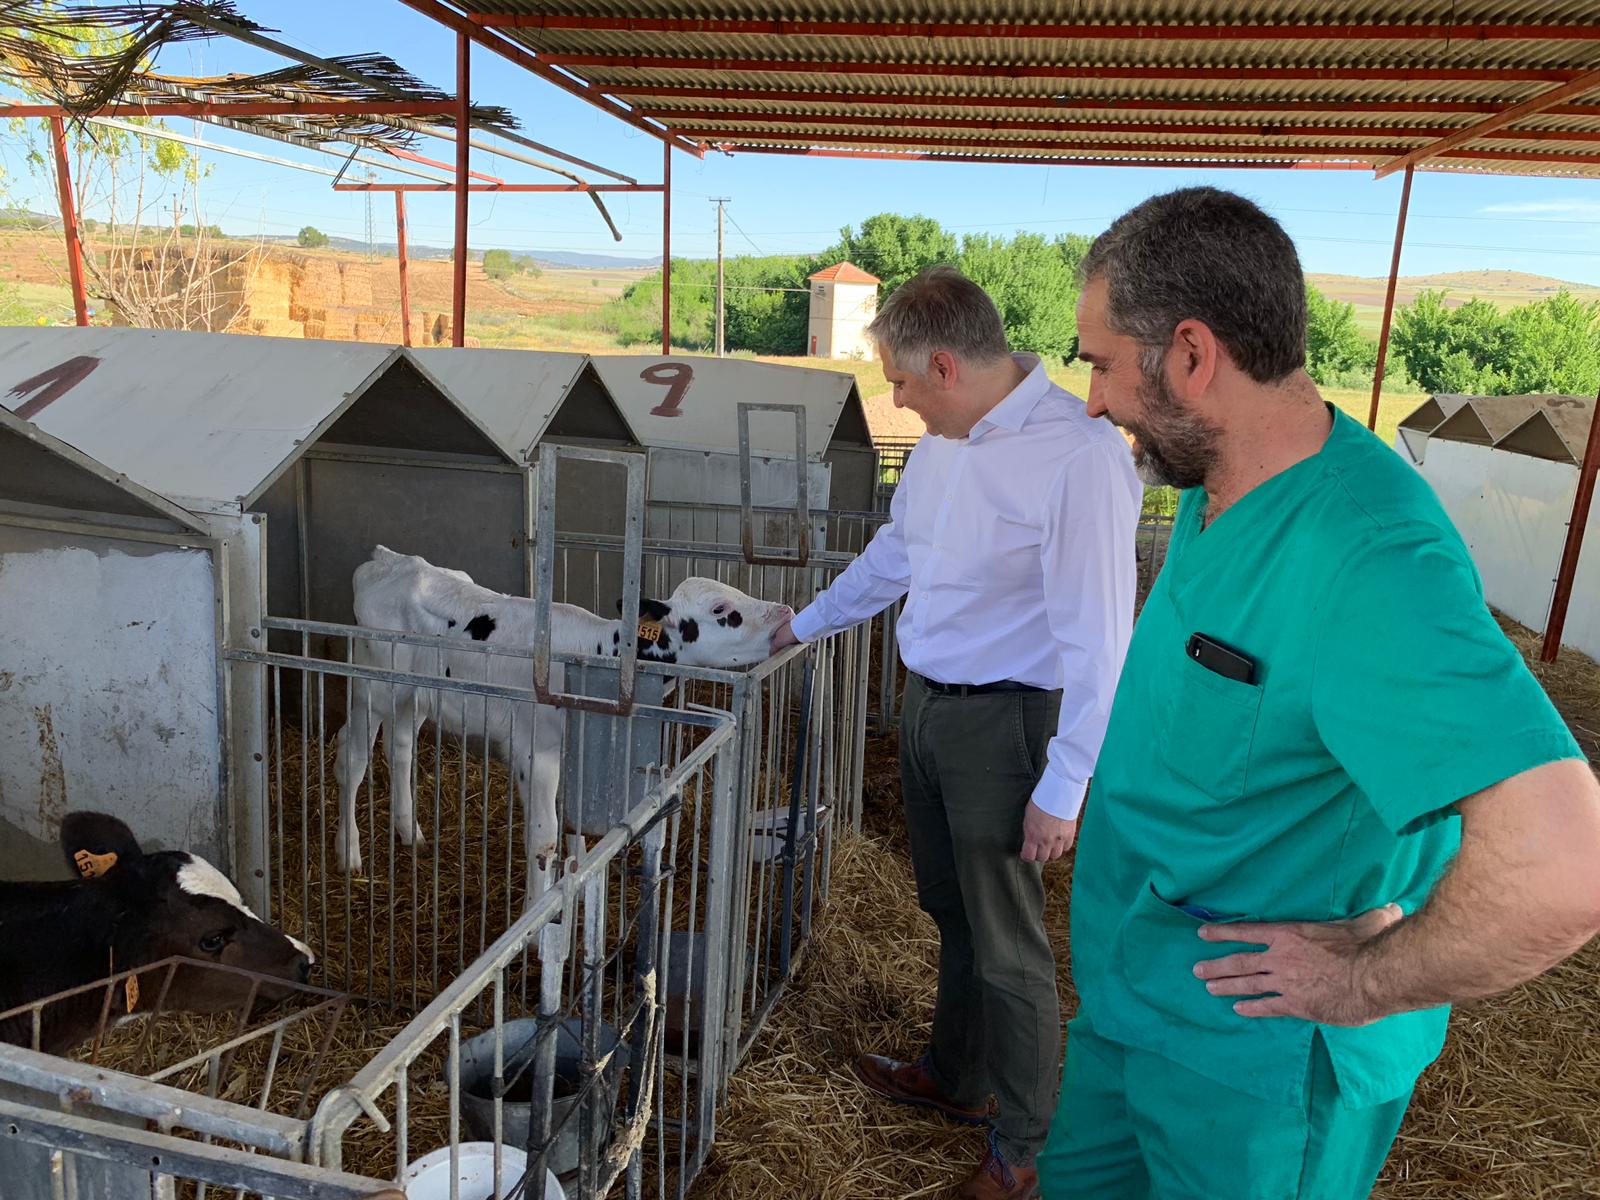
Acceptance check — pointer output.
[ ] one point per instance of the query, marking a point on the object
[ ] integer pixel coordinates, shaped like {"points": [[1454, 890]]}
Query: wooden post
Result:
{"points": [[1388, 301], [405, 281], [666, 248], [458, 298], [1574, 547], [69, 222]]}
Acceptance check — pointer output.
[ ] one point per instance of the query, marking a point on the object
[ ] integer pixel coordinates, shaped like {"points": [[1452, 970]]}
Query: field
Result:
{"points": [[560, 309]]}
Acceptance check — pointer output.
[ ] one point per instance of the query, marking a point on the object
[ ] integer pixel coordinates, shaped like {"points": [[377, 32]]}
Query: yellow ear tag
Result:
{"points": [[649, 631], [130, 992], [92, 866]]}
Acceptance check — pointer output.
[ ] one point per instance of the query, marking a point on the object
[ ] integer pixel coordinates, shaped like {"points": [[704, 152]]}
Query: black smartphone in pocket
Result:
{"points": [[1220, 659]]}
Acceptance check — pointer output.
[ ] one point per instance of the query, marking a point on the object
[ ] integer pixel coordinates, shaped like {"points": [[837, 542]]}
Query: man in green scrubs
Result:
{"points": [[1332, 799]]}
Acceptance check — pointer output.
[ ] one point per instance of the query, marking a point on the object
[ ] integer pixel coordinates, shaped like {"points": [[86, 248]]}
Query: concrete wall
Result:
{"points": [[1512, 511], [109, 694]]}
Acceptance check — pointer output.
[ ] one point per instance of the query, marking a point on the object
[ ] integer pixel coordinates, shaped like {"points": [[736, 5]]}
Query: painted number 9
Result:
{"points": [[676, 378]]}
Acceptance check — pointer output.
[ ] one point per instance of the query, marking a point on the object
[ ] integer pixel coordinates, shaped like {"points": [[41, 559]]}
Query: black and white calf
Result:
{"points": [[129, 909], [703, 623]]}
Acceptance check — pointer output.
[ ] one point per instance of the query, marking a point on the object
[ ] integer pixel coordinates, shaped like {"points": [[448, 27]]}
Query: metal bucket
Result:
{"points": [[477, 1089]]}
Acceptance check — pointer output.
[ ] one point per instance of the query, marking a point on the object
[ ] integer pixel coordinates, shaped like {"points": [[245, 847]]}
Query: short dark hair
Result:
{"points": [[1207, 255], [939, 308]]}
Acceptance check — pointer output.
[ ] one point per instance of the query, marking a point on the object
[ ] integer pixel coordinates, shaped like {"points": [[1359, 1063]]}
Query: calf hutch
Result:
{"points": [[581, 1023], [687, 411], [1506, 469], [111, 684]]}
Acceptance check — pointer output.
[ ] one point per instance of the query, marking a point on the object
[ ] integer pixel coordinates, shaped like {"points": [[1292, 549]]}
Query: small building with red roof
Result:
{"points": [[844, 299]]}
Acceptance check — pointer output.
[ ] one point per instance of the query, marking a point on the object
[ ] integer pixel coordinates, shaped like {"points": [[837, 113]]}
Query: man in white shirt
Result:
{"points": [[1012, 540]]}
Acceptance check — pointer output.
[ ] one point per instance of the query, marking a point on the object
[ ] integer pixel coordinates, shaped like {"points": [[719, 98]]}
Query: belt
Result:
{"points": [[975, 689]]}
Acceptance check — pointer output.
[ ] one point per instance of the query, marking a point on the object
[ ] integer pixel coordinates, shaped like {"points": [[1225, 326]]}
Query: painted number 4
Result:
{"points": [[676, 378]]}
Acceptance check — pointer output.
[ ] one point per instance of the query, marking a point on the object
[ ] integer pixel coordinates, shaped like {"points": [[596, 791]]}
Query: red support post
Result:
{"points": [[405, 280], [69, 221], [666, 247], [458, 293], [1574, 547], [1388, 300]]}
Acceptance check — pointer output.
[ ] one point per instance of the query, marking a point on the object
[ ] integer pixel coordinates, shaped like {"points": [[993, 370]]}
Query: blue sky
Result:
{"points": [[1342, 221]]}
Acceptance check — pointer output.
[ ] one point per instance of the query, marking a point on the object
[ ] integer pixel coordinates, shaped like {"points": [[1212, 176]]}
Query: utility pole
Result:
{"points": [[719, 201]]}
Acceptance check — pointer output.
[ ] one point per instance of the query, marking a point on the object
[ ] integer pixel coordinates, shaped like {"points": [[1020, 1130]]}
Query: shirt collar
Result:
{"points": [[1012, 413]]}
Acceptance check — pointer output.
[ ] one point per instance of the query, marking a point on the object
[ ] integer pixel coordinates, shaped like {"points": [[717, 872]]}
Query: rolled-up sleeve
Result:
{"points": [[1087, 552]]}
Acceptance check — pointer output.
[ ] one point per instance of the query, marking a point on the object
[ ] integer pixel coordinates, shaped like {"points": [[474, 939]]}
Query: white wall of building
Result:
{"points": [[840, 314]]}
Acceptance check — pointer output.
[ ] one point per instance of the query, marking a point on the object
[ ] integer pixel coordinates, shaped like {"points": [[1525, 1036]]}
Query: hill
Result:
{"points": [[1503, 288], [558, 259]]}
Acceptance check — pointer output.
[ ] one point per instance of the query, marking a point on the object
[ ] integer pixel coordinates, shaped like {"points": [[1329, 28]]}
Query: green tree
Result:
{"points": [[1032, 285], [1337, 353], [497, 264], [893, 247], [311, 237], [527, 266], [1553, 346]]}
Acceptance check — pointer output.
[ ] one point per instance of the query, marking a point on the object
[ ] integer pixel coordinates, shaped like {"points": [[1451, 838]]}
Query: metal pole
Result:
{"points": [[1574, 546], [69, 221], [721, 310], [666, 247], [458, 296], [1388, 301], [405, 281]]}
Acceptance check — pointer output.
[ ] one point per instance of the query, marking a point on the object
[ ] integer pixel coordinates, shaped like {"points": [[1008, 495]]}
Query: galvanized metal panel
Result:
{"points": [[108, 693], [193, 416], [515, 394], [36, 468], [692, 403]]}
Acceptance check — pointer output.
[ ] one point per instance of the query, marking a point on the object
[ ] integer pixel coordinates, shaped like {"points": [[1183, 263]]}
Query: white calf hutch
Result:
{"points": [[639, 979], [1506, 469], [111, 685], [687, 412]]}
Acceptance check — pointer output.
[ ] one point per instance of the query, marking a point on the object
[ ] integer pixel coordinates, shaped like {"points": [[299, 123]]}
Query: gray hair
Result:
{"points": [[1211, 256], [939, 308]]}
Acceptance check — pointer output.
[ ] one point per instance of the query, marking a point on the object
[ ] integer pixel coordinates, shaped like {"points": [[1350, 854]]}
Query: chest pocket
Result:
{"points": [[1208, 729]]}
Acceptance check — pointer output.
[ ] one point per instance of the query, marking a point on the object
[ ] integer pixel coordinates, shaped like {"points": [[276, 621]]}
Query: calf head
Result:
{"points": [[709, 624], [172, 903]]}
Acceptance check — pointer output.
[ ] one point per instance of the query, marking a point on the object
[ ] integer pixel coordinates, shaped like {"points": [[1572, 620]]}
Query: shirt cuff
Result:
{"points": [[1060, 797], [808, 624]]}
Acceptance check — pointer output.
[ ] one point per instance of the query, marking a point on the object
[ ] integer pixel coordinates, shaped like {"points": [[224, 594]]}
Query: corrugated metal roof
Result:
{"points": [[1236, 82], [704, 413], [206, 419]]}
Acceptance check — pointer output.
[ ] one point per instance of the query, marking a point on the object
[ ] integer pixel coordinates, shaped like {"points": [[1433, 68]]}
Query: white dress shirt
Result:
{"points": [[1015, 549]]}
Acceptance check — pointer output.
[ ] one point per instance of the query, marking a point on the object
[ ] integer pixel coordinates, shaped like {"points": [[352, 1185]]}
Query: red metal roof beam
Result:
{"points": [[498, 187], [1043, 31], [248, 108], [724, 116], [1027, 161], [665, 92], [648, 62], [1588, 81], [541, 67]]}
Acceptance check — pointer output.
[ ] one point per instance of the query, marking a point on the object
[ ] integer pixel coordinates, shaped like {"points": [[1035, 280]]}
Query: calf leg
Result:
{"points": [[399, 744], [350, 767], [538, 778]]}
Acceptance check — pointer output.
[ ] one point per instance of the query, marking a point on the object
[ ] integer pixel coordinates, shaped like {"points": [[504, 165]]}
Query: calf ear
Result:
{"points": [[94, 843], [653, 610]]}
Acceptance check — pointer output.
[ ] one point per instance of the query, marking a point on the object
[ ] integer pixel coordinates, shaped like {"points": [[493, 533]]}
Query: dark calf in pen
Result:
{"points": [[129, 909]]}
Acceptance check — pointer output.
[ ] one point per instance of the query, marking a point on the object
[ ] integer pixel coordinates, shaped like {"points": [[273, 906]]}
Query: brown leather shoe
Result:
{"points": [[997, 1179], [912, 1083]]}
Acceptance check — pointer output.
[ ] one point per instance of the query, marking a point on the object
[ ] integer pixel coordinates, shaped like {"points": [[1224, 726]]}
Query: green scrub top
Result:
{"points": [[1383, 693]]}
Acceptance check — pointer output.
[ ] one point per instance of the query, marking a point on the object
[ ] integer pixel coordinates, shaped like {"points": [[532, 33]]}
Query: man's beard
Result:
{"points": [[1174, 447]]}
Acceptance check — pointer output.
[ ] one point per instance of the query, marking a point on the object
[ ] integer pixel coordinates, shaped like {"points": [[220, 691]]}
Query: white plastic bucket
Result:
{"points": [[429, 1177]]}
